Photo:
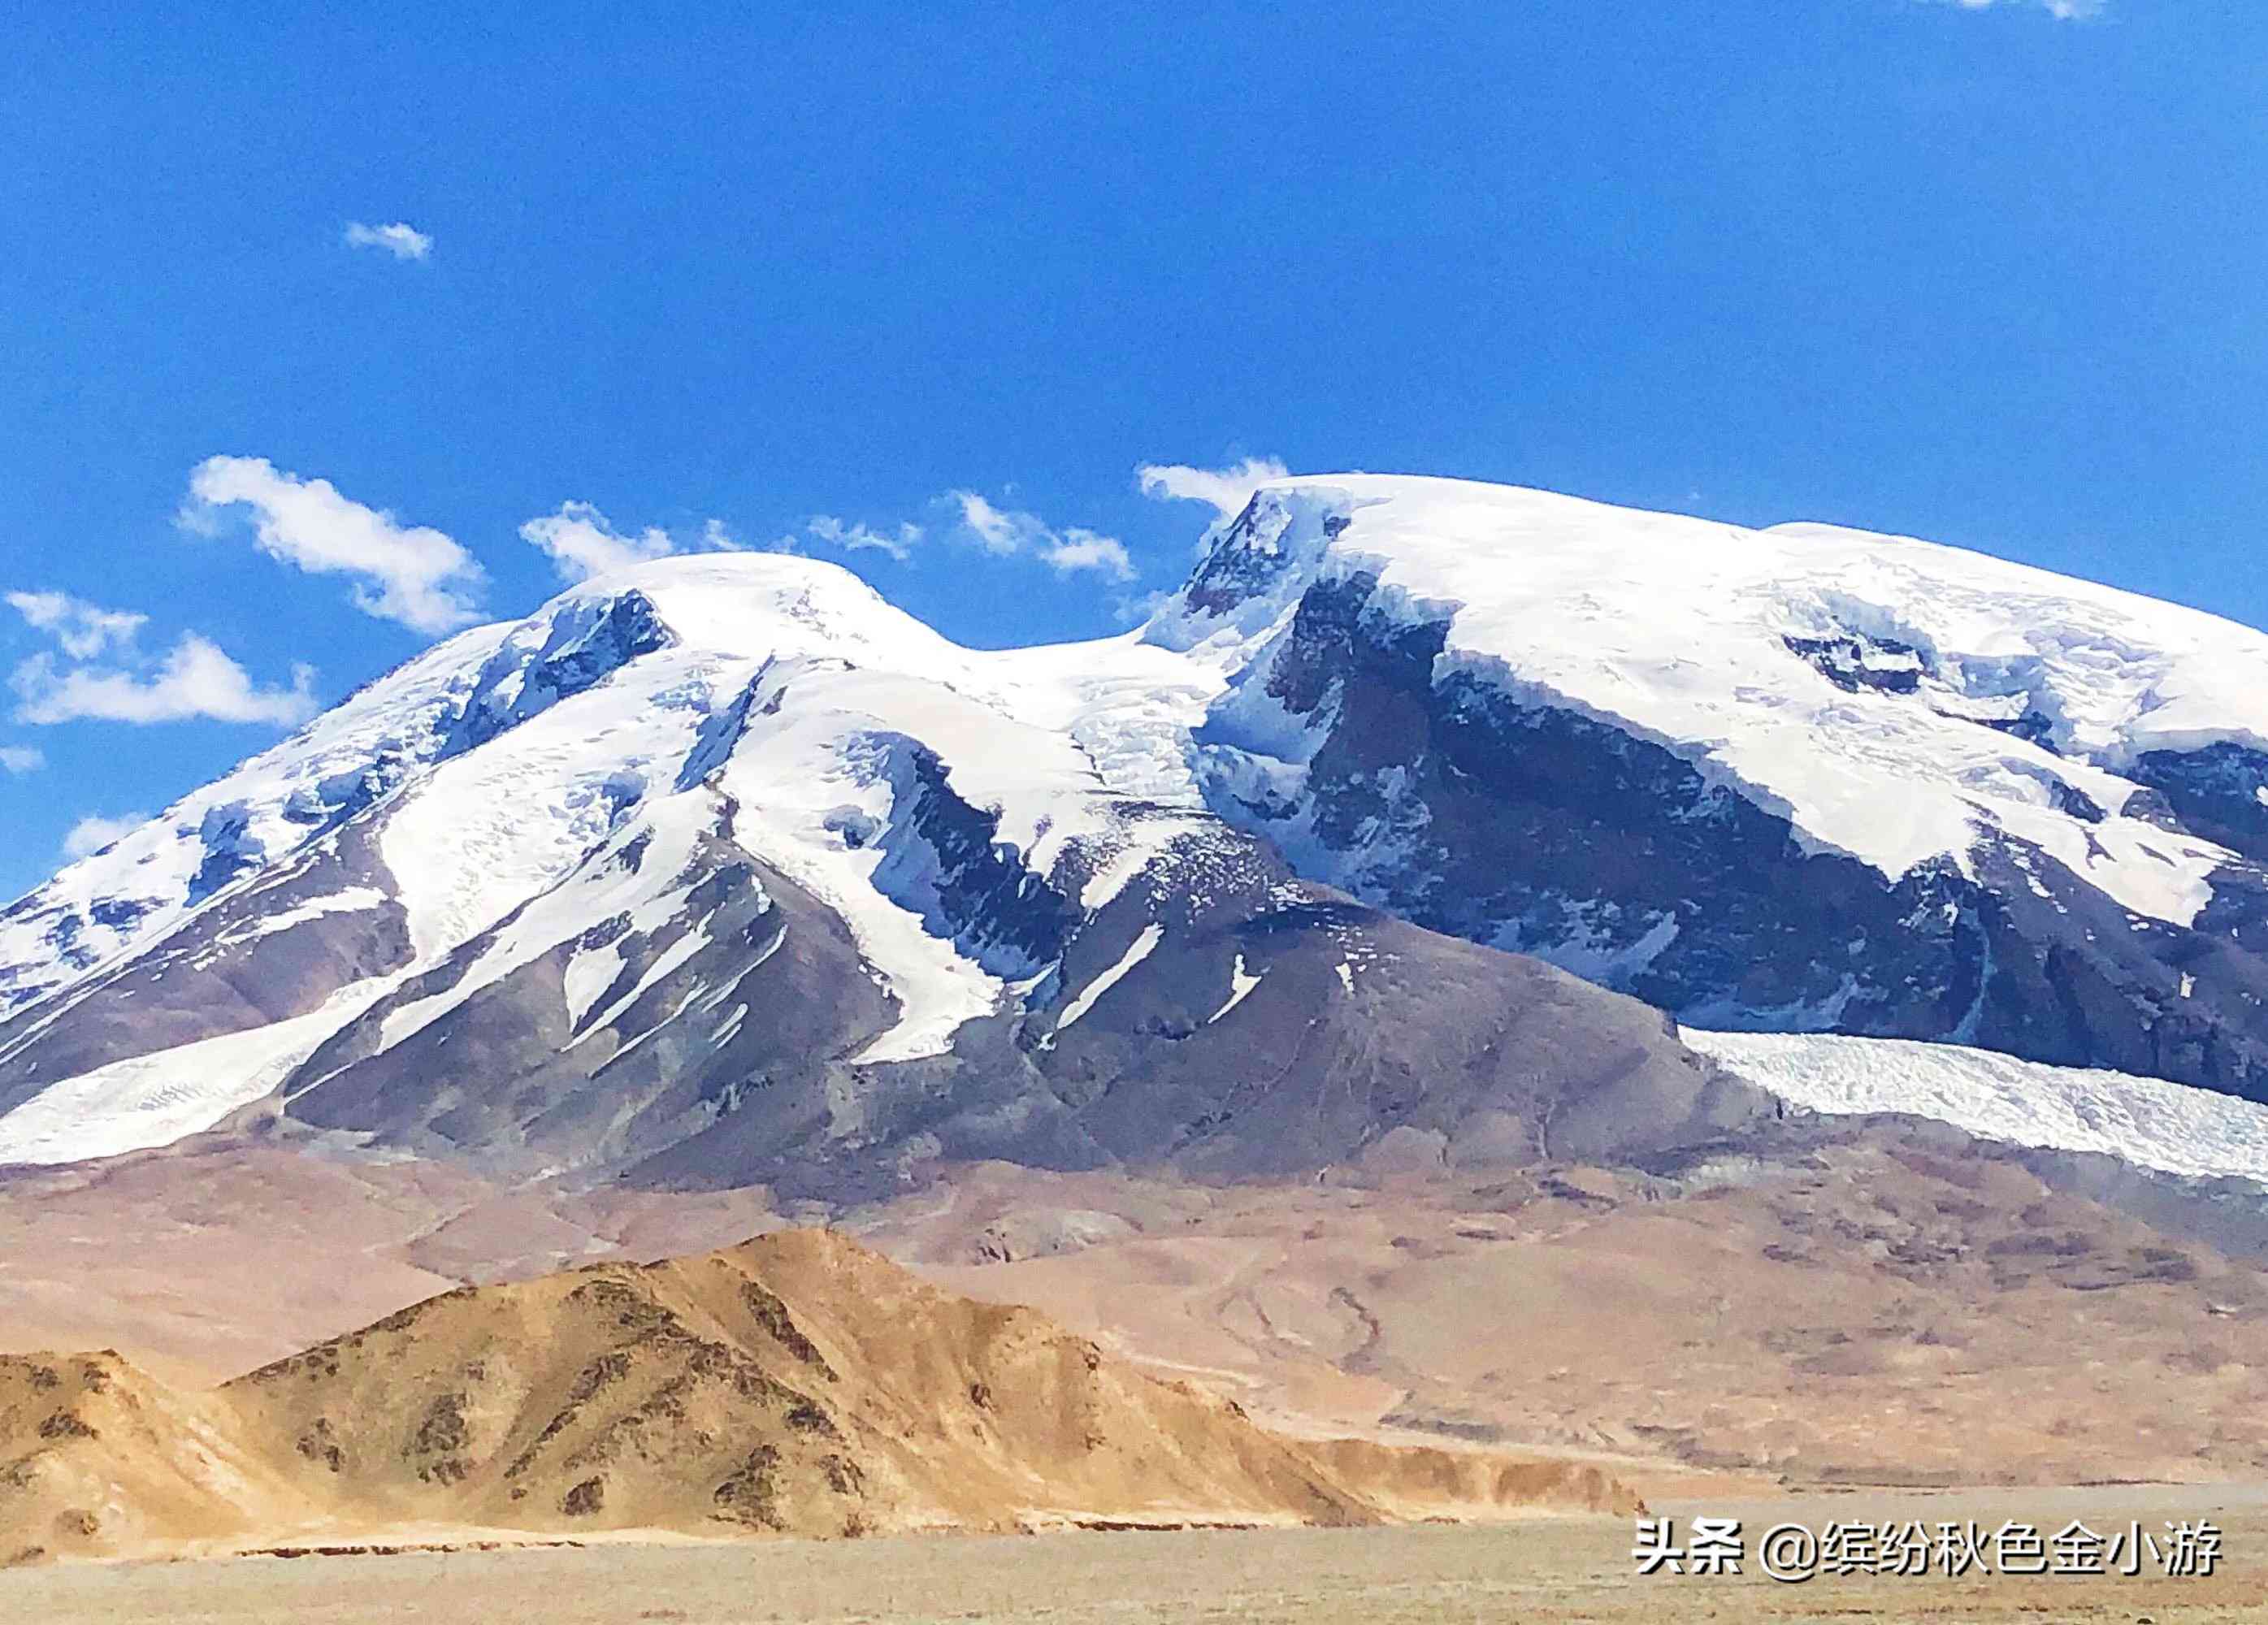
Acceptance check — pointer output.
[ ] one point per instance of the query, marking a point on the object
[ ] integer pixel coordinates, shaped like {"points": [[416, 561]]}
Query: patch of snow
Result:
{"points": [[155, 1099], [1239, 988], [639, 873], [1137, 950], [350, 900], [1346, 974], [675, 1011], [670, 960], [587, 977], [483, 833], [1113, 877], [1587, 950], [2147, 1121]]}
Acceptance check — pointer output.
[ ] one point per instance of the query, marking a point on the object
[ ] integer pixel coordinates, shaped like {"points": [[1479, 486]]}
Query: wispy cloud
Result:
{"points": [[976, 519], [401, 241], [855, 537], [195, 680], [94, 833], [83, 629], [2065, 10], [583, 543], [408, 573], [1225, 490], [21, 759], [1007, 531], [991, 528], [1076, 549]]}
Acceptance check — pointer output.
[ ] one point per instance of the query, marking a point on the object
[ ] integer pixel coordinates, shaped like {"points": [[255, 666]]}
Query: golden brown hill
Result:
{"points": [[97, 1456], [797, 1384]]}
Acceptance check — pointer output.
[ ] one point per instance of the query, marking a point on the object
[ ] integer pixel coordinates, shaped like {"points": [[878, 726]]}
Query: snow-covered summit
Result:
{"points": [[1895, 697]]}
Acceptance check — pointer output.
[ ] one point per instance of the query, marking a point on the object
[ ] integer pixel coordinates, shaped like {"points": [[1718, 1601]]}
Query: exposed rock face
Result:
{"points": [[577, 650], [1538, 829], [2215, 792], [1355, 1036]]}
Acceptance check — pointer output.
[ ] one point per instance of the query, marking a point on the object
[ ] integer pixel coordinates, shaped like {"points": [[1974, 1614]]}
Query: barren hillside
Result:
{"points": [[797, 1384]]}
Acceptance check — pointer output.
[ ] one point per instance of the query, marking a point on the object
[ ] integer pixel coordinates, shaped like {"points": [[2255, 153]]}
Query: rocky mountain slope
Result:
{"points": [[722, 870], [797, 1384]]}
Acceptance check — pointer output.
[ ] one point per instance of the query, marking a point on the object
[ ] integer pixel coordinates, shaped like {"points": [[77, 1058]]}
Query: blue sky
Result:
{"points": [[1987, 273]]}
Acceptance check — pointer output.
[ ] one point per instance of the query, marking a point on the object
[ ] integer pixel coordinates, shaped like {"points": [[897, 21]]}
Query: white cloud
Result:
{"points": [[21, 759], [2066, 11], [1225, 490], [1005, 533], [94, 833], [1077, 550], [411, 574], [855, 537], [993, 530], [583, 543], [403, 241], [195, 679], [1008, 531], [83, 629]]}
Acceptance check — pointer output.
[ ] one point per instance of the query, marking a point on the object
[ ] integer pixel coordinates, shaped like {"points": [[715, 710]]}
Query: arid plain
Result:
{"points": [[1882, 1304], [1539, 1573], [1773, 1333]]}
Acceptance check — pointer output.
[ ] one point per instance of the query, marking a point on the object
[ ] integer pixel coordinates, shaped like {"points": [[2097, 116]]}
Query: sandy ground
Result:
{"points": [[1548, 1570]]}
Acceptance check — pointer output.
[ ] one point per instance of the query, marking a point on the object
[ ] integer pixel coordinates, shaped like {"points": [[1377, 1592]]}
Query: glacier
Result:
{"points": [[2145, 1121]]}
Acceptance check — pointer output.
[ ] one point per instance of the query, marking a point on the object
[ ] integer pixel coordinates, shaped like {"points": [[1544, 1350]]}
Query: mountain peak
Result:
{"points": [[745, 603], [726, 852]]}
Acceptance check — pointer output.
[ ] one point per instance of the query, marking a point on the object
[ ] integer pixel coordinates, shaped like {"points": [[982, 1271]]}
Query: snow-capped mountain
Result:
{"points": [[723, 868], [1802, 779]]}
